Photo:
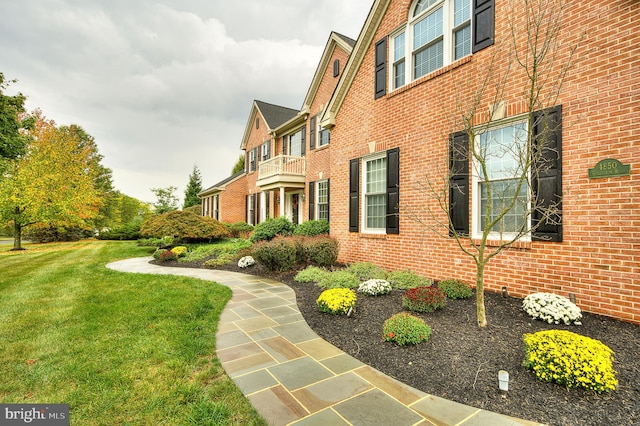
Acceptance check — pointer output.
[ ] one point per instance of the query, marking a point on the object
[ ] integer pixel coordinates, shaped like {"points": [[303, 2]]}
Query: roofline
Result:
{"points": [[335, 40], [222, 185], [378, 9]]}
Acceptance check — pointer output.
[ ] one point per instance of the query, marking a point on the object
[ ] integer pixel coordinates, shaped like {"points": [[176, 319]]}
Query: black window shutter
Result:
{"points": [[256, 208], [354, 185], [312, 133], [328, 197], [459, 183], [284, 145], [257, 156], [483, 24], [381, 68], [546, 175], [393, 191], [303, 143], [336, 67], [312, 197]]}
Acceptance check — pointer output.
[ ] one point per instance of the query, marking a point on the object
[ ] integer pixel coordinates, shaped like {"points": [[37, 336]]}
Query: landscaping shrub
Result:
{"points": [[367, 271], [339, 279], [221, 259], [246, 261], [156, 242], [128, 232], [158, 253], [552, 308], [404, 280], [45, 233], [405, 329], [278, 254], [268, 229], [311, 274], [184, 226], [167, 255], [299, 242], [571, 360], [321, 250], [455, 289], [336, 301], [312, 228], [179, 251], [374, 287], [239, 229], [424, 299]]}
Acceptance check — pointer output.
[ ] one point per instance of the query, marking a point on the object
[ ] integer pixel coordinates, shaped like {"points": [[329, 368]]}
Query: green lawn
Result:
{"points": [[118, 348]]}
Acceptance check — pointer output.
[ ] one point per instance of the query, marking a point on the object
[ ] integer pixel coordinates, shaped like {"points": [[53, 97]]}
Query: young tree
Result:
{"points": [[239, 166], [513, 165], [194, 187], [53, 183], [166, 199]]}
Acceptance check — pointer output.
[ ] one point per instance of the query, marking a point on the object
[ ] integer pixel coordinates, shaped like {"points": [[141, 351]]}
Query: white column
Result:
{"points": [[282, 200]]}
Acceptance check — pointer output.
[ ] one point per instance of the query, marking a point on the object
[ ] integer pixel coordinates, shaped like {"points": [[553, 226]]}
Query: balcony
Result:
{"points": [[282, 170]]}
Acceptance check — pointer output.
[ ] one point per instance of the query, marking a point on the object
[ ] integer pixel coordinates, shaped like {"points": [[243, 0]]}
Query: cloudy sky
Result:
{"points": [[163, 85]]}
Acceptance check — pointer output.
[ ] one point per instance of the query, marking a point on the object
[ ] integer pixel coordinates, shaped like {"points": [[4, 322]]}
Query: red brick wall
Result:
{"points": [[232, 202], [599, 258]]}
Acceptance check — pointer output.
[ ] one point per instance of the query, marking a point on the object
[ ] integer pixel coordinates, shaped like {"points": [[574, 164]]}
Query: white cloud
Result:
{"points": [[163, 85]]}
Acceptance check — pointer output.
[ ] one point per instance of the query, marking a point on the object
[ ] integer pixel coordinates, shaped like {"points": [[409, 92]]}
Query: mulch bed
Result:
{"points": [[460, 361]]}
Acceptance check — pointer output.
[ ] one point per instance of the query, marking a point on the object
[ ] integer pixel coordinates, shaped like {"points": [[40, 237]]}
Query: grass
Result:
{"points": [[118, 348]]}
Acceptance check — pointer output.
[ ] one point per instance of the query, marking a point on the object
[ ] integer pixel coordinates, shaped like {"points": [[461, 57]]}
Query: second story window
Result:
{"points": [[266, 150], [295, 143], [438, 33]]}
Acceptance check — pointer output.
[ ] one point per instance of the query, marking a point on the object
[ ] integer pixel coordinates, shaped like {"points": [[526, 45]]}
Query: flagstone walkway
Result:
{"points": [[293, 377]]}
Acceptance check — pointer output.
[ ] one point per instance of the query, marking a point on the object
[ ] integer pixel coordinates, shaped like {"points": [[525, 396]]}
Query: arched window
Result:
{"points": [[438, 32]]}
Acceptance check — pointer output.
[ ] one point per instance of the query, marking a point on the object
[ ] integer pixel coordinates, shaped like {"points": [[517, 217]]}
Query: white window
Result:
{"points": [[295, 144], [266, 150], [500, 189], [322, 211], [216, 207], [438, 32], [374, 182], [252, 160], [324, 137]]}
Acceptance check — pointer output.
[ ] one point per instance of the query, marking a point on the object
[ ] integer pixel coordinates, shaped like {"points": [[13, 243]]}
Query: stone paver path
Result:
{"points": [[293, 377]]}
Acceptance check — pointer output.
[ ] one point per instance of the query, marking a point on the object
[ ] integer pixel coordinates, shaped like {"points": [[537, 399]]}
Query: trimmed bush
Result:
{"points": [[455, 289], [184, 226], [312, 228], [220, 260], [270, 228], [336, 301], [424, 299], [278, 254], [552, 308], [167, 255], [570, 360], [404, 280], [374, 287], [246, 261], [129, 232], [311, 274], [367, 271], [179, 251], [339, 279], [405, 329], [158, 253], [321, 250], [239, 229]]}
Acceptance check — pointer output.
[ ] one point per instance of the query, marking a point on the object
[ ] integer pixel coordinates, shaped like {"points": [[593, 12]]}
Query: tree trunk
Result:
{"points": [[17, 236], [480, 311]]}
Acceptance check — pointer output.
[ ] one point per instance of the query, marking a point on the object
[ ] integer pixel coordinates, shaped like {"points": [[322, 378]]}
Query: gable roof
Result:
{"points": [[274, 116], [336, 40], [220, 186], [371, 24]]}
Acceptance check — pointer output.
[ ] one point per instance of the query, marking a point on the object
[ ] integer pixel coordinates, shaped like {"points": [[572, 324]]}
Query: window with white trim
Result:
{"points": [[500, 184], [295, 144], [322, 202], [374, 183], [216, 206], [266, 150], [438, 32]]}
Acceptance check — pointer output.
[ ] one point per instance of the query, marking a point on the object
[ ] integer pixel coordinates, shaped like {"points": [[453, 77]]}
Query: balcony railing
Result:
{"points": [[282, 168]]}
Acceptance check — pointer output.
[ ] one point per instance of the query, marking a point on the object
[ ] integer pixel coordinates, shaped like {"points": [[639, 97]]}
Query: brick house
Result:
{"points": [[286, 155], [395, 122]]}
